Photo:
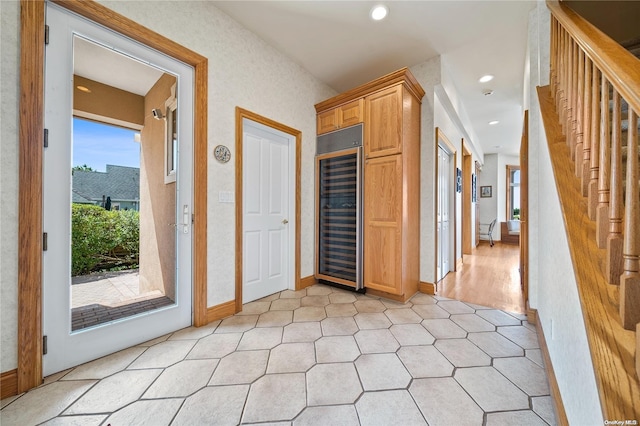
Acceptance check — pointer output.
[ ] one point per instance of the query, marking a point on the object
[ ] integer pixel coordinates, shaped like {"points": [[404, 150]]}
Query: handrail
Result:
{"points": [[614, 61]]}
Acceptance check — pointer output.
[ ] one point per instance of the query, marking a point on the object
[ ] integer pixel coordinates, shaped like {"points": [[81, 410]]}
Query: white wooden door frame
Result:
{"points": [[295, 157]]}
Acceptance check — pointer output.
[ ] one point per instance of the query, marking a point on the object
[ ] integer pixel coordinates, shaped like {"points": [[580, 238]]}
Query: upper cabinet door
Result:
{"points": [[327, 121], [343, 116], [383, 123], [350, 113]]}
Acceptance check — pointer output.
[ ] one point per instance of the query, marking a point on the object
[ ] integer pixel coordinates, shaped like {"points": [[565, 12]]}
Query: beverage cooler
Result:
{"points": [[339, 208]]}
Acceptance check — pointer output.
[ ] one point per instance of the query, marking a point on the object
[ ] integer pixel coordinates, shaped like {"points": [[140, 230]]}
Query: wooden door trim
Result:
{"points": [[466, 199], [524, 210], [240, 115], [31, 128], [440, 136]]}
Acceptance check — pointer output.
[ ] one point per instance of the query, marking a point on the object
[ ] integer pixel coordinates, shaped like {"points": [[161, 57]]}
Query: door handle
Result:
{"points": [[285, 221]]}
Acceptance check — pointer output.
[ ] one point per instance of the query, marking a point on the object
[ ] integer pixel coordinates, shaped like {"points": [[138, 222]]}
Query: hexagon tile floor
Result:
{"points": [[320, 356]]}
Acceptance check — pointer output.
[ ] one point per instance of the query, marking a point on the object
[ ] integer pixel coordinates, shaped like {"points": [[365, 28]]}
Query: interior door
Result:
{"points": [[66, 347], [267, 209], [443, 213]]}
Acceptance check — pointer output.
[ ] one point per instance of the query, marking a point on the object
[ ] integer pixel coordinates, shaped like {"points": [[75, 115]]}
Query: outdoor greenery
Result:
{"points": [[83, 168], [516, 213], [102, 239]]}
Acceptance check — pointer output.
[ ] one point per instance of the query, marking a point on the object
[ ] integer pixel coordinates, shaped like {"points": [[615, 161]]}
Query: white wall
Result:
{"points": [[247, 72], [243, 71], [428, 75], [9, 64], [553, 290]]}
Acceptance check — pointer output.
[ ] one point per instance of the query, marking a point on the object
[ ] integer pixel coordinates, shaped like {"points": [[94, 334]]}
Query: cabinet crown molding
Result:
{"points": [[401, 76]]}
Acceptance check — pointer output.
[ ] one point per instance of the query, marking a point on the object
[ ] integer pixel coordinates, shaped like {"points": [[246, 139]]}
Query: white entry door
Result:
{"points": [[267, 211], [444, 233], [67, 347]]}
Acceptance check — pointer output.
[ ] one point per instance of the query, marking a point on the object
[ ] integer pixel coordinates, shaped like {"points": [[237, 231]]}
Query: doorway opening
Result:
{"points": [[123, 201], [446, 214]]}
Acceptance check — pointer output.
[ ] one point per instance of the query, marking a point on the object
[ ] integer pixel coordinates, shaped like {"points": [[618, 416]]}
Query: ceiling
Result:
{"points": [[339, 44], [102, 64]]}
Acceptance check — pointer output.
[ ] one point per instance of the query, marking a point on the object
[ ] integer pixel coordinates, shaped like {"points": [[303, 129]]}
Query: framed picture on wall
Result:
{"points": [[485, 192], [458, 180]]}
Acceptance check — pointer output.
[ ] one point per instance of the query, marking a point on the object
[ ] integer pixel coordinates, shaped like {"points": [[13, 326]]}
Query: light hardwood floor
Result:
{"points": [[488, 277]]}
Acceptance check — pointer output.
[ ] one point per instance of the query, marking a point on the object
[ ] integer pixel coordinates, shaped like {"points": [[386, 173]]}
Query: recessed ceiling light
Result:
{"points": [[493, 123], [83, 89], [486, 78], [379, 12]]}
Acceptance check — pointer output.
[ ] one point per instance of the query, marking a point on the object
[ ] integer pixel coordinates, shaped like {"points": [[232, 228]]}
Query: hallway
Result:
{"points": [[319, 356], [489, 277]]}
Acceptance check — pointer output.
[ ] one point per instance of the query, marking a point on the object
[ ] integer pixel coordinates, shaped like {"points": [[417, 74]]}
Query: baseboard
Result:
{"points": [[221, 311], [427, 288], [8, 384], [307, 282], [532, 314], [561, 415]]}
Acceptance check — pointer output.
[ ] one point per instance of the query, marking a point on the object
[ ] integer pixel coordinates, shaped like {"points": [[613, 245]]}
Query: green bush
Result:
{"points": [[102, 239]]}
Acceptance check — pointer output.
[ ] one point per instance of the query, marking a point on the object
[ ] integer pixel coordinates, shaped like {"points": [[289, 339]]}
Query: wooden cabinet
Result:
{"points": [[389, 107], [383, 224], [342, 116], [383, 122]]}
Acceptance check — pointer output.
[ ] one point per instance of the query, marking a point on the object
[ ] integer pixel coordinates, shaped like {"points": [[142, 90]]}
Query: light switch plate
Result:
{"points": [[225, 197]]}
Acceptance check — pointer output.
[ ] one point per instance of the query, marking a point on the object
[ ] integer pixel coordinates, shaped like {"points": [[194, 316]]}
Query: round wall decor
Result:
{"points": [[222, 153]]}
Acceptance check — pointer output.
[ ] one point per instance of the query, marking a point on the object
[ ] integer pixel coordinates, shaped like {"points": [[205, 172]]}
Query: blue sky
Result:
{"points": [[97, 145]]}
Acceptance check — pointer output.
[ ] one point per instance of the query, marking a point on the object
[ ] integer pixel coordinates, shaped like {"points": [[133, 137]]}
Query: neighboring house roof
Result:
{"points": [[118, 182], [76, 197]]}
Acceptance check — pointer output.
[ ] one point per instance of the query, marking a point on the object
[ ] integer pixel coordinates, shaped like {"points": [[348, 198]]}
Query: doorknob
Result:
{"points": [[285, 221]]}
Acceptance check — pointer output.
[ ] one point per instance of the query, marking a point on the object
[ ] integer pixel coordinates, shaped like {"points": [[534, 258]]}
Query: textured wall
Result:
{"points": [[428, 75], [243, 71], [9, 63], [553, 290]]}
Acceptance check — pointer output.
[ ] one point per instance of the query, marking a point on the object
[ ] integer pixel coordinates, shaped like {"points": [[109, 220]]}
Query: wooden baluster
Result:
{"points": [[614, 239], [562, 108], [595, 143], [574, 101], [578, 116], [553, 62], [586, 129], [638, 350], [569, 118], [602, 211], [630, 278]]}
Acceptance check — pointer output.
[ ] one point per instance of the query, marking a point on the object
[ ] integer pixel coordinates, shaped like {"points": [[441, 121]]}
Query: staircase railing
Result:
{"points": [[595, 85]]}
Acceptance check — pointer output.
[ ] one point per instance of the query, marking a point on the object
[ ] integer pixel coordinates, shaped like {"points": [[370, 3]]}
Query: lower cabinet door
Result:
{"points": [[383, 224]]}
